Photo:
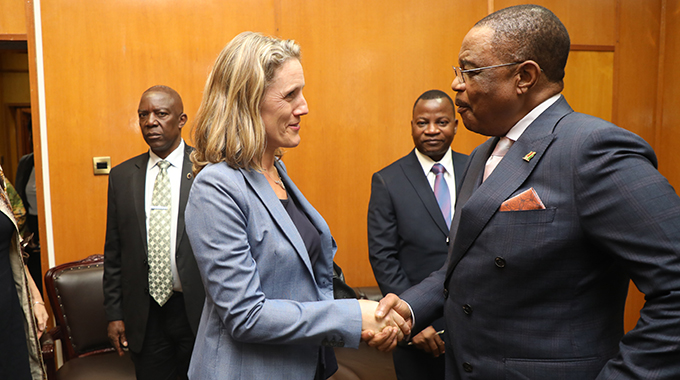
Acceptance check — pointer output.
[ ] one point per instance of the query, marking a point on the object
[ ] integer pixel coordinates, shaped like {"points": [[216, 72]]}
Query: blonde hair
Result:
{"points": [[228, 124]]}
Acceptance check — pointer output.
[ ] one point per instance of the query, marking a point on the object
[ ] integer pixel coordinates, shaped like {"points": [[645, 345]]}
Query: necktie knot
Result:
{"points": [[438, 169], [502, 147], [163, 165]]}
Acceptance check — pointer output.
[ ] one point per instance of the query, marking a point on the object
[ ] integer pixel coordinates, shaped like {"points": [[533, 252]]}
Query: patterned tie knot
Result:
{"points": [[163, 165], [438, 169]]}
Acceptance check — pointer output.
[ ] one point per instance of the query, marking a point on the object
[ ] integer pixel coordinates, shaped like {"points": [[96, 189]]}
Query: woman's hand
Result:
{"points": [[39, 310]]}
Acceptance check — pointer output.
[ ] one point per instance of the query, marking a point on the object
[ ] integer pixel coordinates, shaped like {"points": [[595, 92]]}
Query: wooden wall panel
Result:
{"points": [[365, 64], [636, 67], [12, 17], [588, 82], [589, 22], [668, 144], [95, 71]]}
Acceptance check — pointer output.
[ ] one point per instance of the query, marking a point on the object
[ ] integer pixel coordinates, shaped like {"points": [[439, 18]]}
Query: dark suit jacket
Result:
{"points": [[126, 285], [407, 234], [539, 294]]}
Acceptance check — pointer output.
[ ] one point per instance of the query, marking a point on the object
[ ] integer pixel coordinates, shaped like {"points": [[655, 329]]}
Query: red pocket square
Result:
{"points": [[526, 200]]}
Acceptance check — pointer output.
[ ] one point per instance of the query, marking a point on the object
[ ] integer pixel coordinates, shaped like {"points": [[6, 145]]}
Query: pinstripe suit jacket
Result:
{"points": [[267, 310], [540, 294]]}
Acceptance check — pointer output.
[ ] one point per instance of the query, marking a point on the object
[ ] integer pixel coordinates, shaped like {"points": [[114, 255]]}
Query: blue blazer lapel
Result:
{"points": [[485, 199], [279, 215], [416, 177], [138, 187]]}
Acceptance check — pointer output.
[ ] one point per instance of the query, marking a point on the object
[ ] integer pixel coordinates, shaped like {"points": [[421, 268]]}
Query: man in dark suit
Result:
{"points": [[536, 281], [153, 292], [408, 233]]}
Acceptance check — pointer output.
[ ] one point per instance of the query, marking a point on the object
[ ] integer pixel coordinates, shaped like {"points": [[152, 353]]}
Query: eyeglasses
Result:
{"points": [[461, 78]]}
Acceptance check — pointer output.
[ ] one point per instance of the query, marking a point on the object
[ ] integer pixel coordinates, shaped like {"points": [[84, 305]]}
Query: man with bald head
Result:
{"points": [[557, 212], [153, 293]]}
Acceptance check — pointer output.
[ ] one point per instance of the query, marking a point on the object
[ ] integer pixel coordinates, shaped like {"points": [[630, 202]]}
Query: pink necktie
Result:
{"points": [[501, 148]]}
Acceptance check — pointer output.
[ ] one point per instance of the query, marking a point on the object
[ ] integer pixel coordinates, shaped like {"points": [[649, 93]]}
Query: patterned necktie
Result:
{"points": [[160, 272], [441, 192], [501, 148]]}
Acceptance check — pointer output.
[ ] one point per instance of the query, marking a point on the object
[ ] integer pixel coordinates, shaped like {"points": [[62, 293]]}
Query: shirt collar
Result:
{"points": [[426, 162], [176, 158], [516, 131]]}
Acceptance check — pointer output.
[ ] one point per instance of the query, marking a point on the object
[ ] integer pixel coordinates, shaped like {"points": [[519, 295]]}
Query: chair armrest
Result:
{"points": [[47, 348]]}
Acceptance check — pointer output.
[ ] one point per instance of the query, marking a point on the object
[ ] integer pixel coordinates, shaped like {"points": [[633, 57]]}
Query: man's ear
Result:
{"points": [[455, 126], [529, 73], [183, 120]]}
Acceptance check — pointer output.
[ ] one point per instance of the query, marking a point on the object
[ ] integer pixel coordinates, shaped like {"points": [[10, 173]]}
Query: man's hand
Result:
{"points": [[430, 341], [117, 336], [393, 302], [393, 307], [382, 333]]}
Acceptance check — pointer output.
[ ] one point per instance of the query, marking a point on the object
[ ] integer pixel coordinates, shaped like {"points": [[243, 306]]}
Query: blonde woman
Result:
{"points": [[265, 254]]}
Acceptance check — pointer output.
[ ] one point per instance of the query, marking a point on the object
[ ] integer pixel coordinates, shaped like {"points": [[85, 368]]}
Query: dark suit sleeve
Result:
{"points": [[629, 210], [113, 289], [383, 240]]}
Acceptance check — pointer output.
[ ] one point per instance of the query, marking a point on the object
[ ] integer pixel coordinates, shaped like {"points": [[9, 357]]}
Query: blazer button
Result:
{"points": [[500, 262], [146, 290], [447, 240], [446, 293], [467, 367], [467, 309]]}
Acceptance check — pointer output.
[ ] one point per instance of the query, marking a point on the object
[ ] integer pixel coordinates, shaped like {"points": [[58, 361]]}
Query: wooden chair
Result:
{"points": [[75, 292]]}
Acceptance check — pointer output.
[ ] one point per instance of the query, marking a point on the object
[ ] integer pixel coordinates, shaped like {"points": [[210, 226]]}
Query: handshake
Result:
{"points": [[386, 323]]}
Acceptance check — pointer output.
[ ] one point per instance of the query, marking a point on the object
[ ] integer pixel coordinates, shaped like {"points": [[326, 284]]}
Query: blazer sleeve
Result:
{"points": [[383, 240], [222, 213], [629, 210]]}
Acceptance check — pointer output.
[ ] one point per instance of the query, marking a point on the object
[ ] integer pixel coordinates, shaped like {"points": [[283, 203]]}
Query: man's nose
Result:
{"points": [[431, 129], [151, 120], [457, 85]]}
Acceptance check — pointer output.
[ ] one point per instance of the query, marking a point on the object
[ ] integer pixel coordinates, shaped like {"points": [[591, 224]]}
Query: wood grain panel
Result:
{"points": [[365, 64], [668, 146], [588, 22], [636, 68], [12, 17], [588, 82]]}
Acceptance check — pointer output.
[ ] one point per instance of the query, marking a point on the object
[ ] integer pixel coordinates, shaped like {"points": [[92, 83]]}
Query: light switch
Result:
{"points": [[102, 165]]}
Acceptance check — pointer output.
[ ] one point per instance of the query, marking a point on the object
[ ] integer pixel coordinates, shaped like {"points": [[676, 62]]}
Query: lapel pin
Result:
{"points": [[529, 156], [189, 175]]}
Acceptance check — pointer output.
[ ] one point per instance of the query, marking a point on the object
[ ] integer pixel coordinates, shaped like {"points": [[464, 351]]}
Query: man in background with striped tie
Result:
{"points": [[409, 214]]}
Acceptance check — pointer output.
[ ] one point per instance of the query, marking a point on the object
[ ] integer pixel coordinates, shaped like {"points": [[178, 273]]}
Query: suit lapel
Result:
{"points": [[185, 186], [416, 177], [279, 215], [138, 187], [484, 199]]}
